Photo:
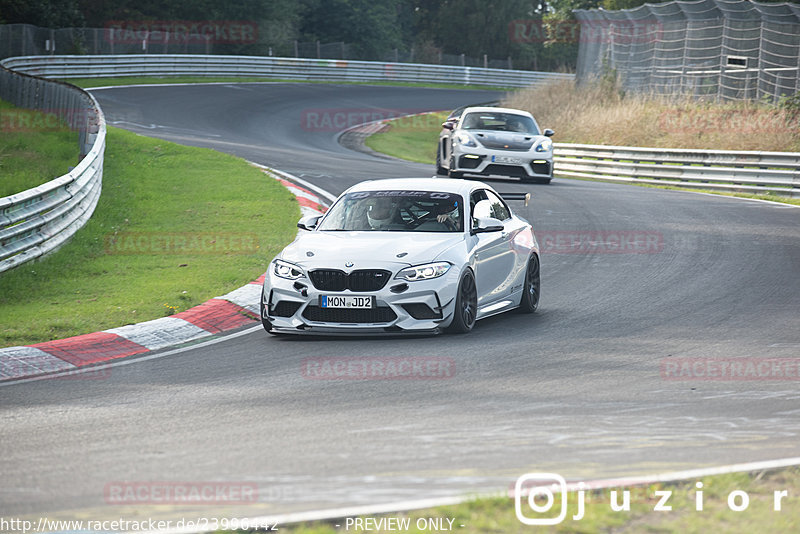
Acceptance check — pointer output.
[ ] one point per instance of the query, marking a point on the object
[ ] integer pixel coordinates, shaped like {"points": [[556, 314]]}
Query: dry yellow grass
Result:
{"points": [[600, 114]]}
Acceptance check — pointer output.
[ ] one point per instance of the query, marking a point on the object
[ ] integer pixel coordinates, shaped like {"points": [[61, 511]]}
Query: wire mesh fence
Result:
{"points": [[717, 49], [213, 37]]}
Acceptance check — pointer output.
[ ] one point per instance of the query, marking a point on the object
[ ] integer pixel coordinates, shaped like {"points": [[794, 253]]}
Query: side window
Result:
{"points": [[478, 208], [499, 209]]}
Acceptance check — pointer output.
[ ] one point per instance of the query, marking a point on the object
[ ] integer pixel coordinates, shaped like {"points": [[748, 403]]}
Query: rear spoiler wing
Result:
{"points": [[526, 197]]}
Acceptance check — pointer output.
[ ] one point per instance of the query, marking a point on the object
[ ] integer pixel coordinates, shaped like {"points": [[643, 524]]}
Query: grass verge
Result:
{"points": [[87, 83], [35, 148], [497, 515], [174, 227], [604, 115], [411, 138]]}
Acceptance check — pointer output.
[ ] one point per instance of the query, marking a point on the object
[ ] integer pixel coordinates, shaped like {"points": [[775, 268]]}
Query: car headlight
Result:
{"points": [[424, 272], [463, 138], [545, 146], [290, 271]]}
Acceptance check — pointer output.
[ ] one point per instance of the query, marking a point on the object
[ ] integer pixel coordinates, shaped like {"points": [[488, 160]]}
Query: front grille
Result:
{"points": [[421, 311], [348, 315], [506, 170], [358, 281], [329, 280], [285, 308]]}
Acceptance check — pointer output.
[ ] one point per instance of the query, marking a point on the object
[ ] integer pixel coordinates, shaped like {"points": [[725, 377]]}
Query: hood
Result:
{"points": [[367, 249], [505, 140]]}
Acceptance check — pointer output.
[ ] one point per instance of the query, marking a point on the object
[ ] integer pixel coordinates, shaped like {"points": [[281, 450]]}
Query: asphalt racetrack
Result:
{"points": [[587, 387]]}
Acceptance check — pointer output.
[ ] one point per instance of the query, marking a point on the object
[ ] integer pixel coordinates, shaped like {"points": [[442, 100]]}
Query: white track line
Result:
{"points": [[177, 84], [771, 202], [331, 197]]}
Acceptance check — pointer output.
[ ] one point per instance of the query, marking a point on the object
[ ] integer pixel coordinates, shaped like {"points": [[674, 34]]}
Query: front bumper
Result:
{"points": [[486, 161], [424, 306]]}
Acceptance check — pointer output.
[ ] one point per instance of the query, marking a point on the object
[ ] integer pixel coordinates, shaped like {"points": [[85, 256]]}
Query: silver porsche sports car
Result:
{"points": [[495, 141], [404, 255]]}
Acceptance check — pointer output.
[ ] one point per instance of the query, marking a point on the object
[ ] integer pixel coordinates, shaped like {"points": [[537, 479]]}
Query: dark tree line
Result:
{"points": [[535, 34]]}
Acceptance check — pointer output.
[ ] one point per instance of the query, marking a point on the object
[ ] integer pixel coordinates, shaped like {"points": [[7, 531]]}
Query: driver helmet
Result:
{"points": [[515, 125], [445, 207], [381, 213]]}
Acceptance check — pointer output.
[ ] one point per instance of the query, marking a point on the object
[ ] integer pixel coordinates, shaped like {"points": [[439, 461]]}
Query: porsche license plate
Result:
{"points": [[335, 301], [506, 159]]}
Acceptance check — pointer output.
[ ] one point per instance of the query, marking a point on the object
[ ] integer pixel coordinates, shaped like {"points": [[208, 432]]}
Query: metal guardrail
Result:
{"points": [[39, 220], [721, 170], [65, 67]]}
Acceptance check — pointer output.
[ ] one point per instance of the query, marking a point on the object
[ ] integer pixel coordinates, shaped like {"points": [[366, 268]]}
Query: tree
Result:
{"points": [[372, 26], [44, 13]]}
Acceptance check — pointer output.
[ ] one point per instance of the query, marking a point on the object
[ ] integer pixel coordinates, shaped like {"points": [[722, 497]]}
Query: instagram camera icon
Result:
{"points": [[540, 485]]}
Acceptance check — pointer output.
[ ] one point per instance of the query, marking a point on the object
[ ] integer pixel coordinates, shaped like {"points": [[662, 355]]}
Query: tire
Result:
{"points": [[531, 289], [454, 174], [441, 171], [466, 310]]}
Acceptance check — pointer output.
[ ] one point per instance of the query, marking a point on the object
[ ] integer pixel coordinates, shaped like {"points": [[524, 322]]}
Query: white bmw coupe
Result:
{"points": [[404, 255]]}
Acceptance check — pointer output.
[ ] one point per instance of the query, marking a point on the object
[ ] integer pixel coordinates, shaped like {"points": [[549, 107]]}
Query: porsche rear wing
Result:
{"points": [[526, 197]]}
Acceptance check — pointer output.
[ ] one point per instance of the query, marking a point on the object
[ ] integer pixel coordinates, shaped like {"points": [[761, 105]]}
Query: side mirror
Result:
{"points": [[309, 222], [548, 132], [488, 224], [447, 125]]}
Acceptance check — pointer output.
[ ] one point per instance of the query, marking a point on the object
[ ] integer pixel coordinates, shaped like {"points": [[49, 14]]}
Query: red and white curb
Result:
{"points": [[221, 314]]}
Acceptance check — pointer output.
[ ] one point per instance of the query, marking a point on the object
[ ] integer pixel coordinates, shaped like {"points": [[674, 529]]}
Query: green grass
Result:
{"points": [[139, 80], [152, 190], [496, 515], [410, 138], [34, 148]]}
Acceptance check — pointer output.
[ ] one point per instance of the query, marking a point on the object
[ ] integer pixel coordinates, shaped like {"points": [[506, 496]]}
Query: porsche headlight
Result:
{"points": [[290, 271], [545, 146], [464, 139], [424, 272]]}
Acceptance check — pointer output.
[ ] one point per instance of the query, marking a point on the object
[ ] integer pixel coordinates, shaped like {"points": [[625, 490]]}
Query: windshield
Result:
{"points": [[396, 211], [504, 122]]}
